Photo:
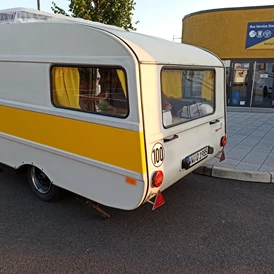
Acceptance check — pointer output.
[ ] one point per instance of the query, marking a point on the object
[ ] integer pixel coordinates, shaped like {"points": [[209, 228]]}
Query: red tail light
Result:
{"points": [[223, 141], [158, 178]]}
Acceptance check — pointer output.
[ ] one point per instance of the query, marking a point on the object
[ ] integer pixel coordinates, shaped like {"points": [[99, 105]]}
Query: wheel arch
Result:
{"points": [[23, 168]]}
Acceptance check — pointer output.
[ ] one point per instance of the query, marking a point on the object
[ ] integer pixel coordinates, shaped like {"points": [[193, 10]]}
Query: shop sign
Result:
{"points": [[260, 35]]}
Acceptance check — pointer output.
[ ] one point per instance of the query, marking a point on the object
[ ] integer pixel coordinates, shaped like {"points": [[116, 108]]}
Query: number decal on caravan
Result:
{"points": [[157, 154]]}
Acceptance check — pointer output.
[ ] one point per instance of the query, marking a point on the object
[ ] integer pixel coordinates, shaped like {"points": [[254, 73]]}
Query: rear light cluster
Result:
{"points": [[223, 141], [158, 178]]}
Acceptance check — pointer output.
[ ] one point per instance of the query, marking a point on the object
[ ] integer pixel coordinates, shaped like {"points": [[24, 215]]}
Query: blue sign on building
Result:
{"points": [[260, 35]]}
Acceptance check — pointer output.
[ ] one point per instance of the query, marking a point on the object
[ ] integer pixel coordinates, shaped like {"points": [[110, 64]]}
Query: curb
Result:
{"points": [[249, 109], [234, 174]]}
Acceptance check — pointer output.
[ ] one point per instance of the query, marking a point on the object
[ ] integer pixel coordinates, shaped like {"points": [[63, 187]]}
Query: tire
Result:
{"points": [[41, 185]]}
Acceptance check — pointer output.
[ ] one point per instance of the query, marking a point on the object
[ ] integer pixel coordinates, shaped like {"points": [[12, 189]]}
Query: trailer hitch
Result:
{"points": [[93, 205]]}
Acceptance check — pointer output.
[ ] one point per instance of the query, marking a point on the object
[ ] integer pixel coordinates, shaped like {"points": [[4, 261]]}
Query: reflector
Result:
{"points": [[159, 200], [222, 156]]}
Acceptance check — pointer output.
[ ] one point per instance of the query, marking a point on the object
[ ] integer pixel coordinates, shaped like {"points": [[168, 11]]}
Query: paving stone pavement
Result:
{"points": [[250, 142]]}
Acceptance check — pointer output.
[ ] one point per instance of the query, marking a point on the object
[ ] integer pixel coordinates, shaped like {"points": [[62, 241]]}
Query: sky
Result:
{"points": [[157, 17]]}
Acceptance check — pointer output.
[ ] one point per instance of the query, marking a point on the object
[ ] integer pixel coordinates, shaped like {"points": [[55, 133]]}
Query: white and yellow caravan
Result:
{"points": [[111, 115]]}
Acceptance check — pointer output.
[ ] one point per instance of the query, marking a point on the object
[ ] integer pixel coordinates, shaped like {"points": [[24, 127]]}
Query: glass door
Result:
{"points": [[263, 84], [240, 86]]}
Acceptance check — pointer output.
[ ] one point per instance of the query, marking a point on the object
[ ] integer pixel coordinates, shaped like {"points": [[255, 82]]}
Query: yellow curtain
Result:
{"points": [[66, 83], [172, 83], [208, 85], [122, 79]]}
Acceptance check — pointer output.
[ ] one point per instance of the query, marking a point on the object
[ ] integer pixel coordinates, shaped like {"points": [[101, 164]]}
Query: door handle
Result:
{"points": [[175, 136], [214, 122]]}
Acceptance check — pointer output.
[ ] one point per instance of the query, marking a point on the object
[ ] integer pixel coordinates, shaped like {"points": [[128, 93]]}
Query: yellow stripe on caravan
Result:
{"points": [[114, 146]]}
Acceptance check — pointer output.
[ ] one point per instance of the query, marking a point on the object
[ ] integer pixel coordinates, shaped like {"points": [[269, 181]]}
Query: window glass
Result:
{"points": [[262, 85], [186, 95], [96, 90]]}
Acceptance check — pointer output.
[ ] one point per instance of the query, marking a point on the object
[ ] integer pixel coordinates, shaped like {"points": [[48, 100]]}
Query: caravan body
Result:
{"points": [[111, 115]]}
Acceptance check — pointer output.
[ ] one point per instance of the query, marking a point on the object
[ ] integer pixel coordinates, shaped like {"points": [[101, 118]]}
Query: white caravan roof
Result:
{"points": [[148, 49], [26, 15]]}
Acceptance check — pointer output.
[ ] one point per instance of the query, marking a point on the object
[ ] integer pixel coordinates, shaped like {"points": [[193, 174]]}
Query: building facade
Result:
{"points": [[244, 39]]}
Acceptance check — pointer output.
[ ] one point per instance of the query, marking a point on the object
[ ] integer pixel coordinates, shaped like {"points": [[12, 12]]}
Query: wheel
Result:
{"points": [[41, 185]]}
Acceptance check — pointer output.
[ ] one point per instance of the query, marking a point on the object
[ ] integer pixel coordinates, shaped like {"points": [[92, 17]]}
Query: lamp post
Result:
{"points": [[38, 4]]}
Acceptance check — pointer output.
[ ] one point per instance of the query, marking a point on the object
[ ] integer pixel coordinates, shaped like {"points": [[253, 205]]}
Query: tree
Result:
{"points": [[112, 12]]}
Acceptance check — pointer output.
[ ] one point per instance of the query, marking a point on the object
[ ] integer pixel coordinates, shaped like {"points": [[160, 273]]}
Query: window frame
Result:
{"points": [[193, 69], [95, 67]]}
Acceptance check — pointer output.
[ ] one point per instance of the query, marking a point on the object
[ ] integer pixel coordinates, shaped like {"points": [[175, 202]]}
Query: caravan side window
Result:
{"points": [[91, 89], [187, 94]]}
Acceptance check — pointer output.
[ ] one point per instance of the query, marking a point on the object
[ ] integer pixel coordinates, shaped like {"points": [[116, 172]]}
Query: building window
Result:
{"points": [[186, 95], [91, 89]]}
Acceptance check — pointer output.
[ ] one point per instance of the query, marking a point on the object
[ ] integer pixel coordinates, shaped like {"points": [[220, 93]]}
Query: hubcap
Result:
{"points": [[40, 180]]}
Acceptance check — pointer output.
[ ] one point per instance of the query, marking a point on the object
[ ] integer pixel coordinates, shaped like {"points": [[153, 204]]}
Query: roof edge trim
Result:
{"points": [[228, 9]]}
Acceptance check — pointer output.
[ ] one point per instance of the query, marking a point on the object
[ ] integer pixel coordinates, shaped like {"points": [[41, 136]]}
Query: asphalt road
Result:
{"points": [[206, 226]]}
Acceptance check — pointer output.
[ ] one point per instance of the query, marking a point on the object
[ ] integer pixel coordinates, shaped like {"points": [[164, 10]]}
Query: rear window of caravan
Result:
{"points": [[97, 90], [186, 94]]}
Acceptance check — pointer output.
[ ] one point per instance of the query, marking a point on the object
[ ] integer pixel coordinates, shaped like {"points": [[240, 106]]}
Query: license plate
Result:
{"points": [[198, 156]]}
